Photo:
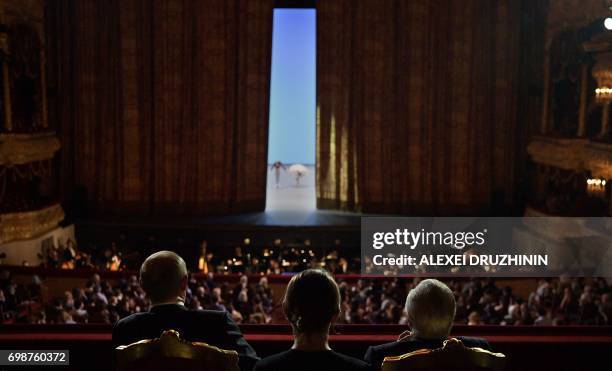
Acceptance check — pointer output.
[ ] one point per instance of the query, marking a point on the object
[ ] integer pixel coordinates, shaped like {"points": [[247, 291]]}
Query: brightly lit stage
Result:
{"points": [[290, 216]]}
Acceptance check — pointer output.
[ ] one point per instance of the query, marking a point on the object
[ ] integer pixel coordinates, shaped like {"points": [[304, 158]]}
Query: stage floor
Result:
{"points": [[281, 218], [289, 204], [288, 195], [305, 218]]}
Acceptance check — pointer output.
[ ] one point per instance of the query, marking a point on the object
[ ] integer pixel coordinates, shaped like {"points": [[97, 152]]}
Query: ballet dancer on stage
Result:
{"points": [[277, 166]]}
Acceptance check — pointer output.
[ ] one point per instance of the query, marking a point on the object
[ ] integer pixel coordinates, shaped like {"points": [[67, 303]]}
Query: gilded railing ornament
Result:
{"points": [[573, 154], [29, 224], [19, 149]]}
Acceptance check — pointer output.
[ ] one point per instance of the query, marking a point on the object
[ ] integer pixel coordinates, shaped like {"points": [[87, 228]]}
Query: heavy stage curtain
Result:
{"points": [[163, 104], [418, 104]]}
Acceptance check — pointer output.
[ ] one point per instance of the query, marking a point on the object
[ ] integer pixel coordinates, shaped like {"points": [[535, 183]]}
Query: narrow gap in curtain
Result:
{"points": [[292, 120]]}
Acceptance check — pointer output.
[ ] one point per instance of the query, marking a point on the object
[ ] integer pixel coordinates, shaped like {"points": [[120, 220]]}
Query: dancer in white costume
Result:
{"points": [[299, 171], [277, 166]]}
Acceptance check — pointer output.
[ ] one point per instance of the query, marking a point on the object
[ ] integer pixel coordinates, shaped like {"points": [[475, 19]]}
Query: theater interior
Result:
{"points": [[133, 126]]}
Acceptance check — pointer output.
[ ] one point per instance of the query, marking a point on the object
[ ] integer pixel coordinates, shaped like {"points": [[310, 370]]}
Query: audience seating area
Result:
{"points": [[55, 296], [75, 309]]}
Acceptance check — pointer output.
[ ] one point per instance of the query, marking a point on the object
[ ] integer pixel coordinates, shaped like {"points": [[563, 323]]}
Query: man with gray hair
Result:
{"points": [[164, 277], [430, 310]]}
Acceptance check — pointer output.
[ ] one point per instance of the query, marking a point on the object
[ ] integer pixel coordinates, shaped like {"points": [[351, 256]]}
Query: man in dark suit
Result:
{"points": [[430, 308], [163, 276]]}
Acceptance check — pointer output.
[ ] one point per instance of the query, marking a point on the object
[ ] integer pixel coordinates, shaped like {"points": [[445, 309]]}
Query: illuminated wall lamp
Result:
{"points": [[596, 187]]}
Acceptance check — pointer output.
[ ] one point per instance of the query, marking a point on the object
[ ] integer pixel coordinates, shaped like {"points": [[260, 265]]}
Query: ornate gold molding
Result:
{"points": [[598, 159], [557, 152], [19, 149], [573, 154], [29, 224]]}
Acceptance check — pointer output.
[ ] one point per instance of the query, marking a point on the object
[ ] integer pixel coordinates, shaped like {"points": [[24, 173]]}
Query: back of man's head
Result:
{"points": [[163, 276], [430, 308]]}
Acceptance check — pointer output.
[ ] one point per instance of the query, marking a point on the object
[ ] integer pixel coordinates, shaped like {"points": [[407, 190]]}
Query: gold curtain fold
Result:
{"points": [[164, 104], [417, 104]]}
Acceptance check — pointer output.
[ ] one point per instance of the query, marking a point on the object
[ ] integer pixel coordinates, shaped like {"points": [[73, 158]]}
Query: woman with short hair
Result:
{"points": [[311, 304]]}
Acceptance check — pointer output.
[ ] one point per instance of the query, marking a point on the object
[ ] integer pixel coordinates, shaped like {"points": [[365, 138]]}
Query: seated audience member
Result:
{"points": [[163, 276], [311, 304], [430, 311]]}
